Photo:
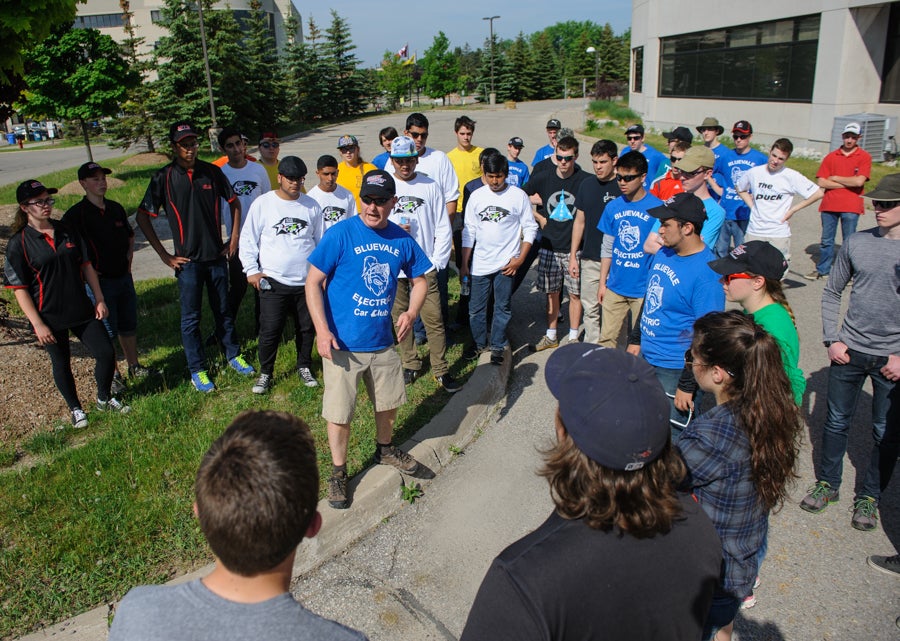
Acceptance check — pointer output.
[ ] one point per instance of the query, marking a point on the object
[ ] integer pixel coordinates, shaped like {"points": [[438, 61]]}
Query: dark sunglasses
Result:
{"points": [[418, 134], [564, 158], [884, 204], [378, 202], [627, 179], [270, 145], [633, 137], [740, 136], [294, 179], [690, 174]]}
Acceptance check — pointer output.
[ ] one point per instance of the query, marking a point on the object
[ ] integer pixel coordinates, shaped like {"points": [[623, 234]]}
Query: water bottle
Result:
{"points": [[264, 285], [465, 286]]}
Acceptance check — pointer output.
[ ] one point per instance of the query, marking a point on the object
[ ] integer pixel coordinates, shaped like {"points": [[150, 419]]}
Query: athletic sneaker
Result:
{"points": [[865, 514], [886, 564], [814, 275], [748, 601], [545, 343], [139, 371], [113, 405], [396, 457], [118, 384], [497, 357], [202, 382], [262, 384], [472, 352], [240, 365], [819, 496], [337, 492], [307, 377], [449, 383], [79, 418], [410, 376]]}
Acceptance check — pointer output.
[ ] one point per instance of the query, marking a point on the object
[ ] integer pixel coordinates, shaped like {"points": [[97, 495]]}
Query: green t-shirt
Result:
{"points": [[776, 320]]}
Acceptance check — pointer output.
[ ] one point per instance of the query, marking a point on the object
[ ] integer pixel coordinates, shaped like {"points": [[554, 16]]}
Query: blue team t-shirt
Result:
{"points": [[381, 160], [657, 165], [629, 224], [518, 173], [543, 152], [727, 171], [680, 289], [361, 265]]}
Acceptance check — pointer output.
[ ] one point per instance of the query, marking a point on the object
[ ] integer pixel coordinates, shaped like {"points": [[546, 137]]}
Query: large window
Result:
{"points": [[637, 65], [99, 22], [890, 73], [765, 61]]}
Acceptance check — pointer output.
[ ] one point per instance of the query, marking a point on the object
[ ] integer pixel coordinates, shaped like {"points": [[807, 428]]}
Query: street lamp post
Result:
{"points": [[493, 97], [214, 129], [596, 53]]}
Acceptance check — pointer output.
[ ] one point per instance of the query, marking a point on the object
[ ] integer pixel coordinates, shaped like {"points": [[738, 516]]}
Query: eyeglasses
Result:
{"points": [[885, 204], [727, 278], [690, 363], [564, 158], [627, 179], [418, 134], [740, 136], [270, 145], [46, 202], [378, 202], [294, 179], [193, 144], [633, 137]]}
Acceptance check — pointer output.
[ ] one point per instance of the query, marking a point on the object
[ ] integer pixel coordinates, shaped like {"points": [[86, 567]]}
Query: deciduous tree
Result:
{"points": [[440, 69]]}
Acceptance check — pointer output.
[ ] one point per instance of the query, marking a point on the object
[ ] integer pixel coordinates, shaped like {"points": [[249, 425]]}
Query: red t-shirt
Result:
{"points": [[837, 163], [666, 187]]}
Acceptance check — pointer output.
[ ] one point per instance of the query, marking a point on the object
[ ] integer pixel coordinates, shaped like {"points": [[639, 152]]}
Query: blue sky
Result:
{"points": [[378, 25]]}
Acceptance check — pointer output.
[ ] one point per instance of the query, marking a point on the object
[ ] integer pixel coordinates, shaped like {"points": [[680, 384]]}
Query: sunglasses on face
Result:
{"points": [[740, 136], [346, 150], [627, 179], [270, 145], [378, 202], [884, 204], [189, 145], [691, 174], [294, 179], [564, 158], [418, 134], [704, 129], [727, 278], [633, 137]]}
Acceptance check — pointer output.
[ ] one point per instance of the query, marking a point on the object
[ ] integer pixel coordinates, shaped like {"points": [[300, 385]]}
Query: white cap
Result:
{"points": [[852, 128]]}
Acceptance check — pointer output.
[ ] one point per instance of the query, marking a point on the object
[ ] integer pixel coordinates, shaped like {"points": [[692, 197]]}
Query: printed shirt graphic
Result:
{"points": [[362, 266], [680, 289], [727, 172], [629, 224], [336, 205], [518, 173], [496, 225], [421, 206], [773, 195], [249, 183], [558, 198]]}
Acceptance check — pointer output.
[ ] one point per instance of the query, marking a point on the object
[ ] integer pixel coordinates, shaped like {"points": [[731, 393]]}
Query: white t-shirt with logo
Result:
{"points": [[495, 223], [336, 205], [773, 195], [249, 183], [421, 205]]}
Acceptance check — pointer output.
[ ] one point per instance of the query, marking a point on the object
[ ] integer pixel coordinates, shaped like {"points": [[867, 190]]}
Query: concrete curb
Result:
{"points": [[375, 491]]}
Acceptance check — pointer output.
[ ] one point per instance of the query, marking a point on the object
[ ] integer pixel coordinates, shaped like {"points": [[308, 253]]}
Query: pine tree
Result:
{"points": [[469, 63], [348, 92], [264, 84], [311, 84], [547, 81], [522, 69]]}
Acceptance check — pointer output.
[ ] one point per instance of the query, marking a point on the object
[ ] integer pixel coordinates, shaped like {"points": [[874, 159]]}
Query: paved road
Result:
{"points": [[41, 158]]}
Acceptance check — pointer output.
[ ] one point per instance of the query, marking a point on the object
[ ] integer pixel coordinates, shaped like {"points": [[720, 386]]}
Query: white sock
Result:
{"points": [[573, 334], [551, 334]]}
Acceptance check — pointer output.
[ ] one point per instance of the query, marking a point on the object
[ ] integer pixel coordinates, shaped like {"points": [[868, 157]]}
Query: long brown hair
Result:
{"points": [[641, 503], [759, 395], [20, 220], [776, 291]]}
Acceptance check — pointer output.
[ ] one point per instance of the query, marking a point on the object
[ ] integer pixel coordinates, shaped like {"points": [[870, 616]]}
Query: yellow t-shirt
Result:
{"points": [[350, 178], [465, 164]]}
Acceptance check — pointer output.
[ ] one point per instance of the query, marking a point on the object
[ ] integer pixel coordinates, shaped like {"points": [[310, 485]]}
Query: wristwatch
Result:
{"points": [[828, 343]]}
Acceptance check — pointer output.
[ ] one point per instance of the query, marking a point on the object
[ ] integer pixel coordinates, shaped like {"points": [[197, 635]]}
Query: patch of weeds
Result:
{"points": [[411, 492], [7, 454], [591, 125], [455, 450], [44, 443]]}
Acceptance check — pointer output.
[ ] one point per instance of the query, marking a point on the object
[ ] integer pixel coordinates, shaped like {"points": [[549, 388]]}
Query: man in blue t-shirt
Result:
{"points": [[681, 288], [623, 264], [728, 169], [657, 163], [518, 170], [350, 290], [553, 127]]}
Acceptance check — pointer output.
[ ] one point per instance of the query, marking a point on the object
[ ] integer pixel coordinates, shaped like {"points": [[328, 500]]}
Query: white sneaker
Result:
{"points": [[79, 418], [307, 377], [262, 384], [113, 405]]}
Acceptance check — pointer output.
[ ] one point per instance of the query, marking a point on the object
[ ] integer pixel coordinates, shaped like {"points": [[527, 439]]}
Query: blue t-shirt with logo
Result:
{"points": [[361, 265], [543, 152], [680, 289], [518, 173], [629, 224], [657, 165], [727, 171]]}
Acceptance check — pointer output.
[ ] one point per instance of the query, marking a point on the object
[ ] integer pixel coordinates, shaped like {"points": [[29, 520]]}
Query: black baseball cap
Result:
{"points": [[182, 129], [679, 133], [89, 168], [292, 167], [553, 123], [755, 257], [31, 188], [635, 129], [611, 404], [379, 184], [742, 127], [682, 205], [515, 141]]}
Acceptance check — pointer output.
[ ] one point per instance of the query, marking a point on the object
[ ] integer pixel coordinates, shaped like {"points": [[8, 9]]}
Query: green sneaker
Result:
{"points": [[820, 495], [865, 514]]}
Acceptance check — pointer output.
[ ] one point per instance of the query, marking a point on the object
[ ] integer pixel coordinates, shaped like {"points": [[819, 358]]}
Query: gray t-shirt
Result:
{"points": [[191, 611], [872, 322]]}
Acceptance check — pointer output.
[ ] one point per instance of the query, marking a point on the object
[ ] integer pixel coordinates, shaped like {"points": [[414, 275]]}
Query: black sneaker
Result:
{"points": [[472, 352], [886, 564], [449, 383], [139, 371], [497, 357], [410, 375], [118, 384], [337, 492], [396, 457]]}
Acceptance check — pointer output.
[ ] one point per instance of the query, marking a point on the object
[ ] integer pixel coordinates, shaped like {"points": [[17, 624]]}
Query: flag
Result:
{"points": [[404, 50], [410, 61]]}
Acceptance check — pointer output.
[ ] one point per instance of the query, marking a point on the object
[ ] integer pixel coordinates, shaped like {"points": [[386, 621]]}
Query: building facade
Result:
{"points": [[791, 68]]}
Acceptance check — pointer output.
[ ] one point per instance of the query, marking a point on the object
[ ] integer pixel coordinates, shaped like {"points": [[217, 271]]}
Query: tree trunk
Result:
{"points": [[87, 139]]}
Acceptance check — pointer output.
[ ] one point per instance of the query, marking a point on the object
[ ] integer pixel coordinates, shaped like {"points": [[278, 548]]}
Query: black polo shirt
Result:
{"points": [[49, 267], [106, 234], [190, 200]]}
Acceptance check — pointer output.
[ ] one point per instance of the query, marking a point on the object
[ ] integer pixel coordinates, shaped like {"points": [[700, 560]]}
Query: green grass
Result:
{"points": [[89, 514]]}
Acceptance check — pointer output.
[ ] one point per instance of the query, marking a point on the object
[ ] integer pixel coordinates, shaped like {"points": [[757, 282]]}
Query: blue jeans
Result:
{"points": [[730, 229], [678, 420], [502, 287], [829, 232], [844, 385], [192, 277]]}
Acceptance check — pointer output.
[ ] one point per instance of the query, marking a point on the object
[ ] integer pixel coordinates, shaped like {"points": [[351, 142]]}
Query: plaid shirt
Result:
{"points": [[717, 454]]}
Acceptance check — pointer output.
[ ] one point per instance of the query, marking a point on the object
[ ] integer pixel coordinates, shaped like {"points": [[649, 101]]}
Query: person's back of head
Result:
{"points": [[257, 490], [613, 464]]}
